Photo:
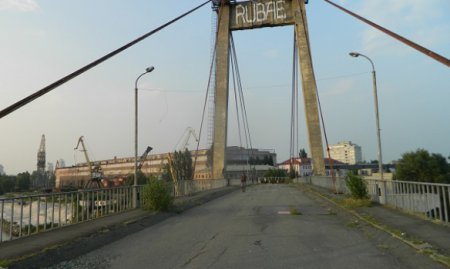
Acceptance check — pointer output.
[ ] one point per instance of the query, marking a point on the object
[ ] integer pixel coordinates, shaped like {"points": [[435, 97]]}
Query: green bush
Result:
{"points": [[157, 195], [357, 186], [276, 173]]}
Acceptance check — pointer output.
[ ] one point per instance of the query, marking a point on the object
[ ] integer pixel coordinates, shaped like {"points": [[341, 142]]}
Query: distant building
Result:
{"points": [[303, 166], [240, 155], [346, 152], [61, 163], [2, 171], [50, 168]]}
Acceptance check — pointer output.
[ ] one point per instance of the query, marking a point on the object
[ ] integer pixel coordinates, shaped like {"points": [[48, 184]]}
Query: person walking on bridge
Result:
{"points": [[243, 181]]}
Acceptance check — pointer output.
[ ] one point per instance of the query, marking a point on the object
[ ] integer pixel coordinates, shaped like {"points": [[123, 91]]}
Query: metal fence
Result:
{"points": [[429, 199], [189, 187], [26, 215]]}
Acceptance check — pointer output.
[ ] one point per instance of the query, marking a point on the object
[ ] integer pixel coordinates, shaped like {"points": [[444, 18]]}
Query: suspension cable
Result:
{"points": [[293, 97], [248, 141], [400, 38], [294, 108], [241, 97], [80, 71], [233, 75], [330, 160]]}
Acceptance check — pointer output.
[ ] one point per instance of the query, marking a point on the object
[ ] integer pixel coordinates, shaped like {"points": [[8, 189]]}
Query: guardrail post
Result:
{"points": [[382, 190]]}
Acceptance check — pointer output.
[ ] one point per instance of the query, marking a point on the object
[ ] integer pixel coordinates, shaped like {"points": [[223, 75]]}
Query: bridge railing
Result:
{"points": [[26, 215], [189, 187], [428, 199]]}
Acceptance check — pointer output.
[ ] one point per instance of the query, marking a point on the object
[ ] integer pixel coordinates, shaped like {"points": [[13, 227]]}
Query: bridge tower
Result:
{"points": [[233, 16]]}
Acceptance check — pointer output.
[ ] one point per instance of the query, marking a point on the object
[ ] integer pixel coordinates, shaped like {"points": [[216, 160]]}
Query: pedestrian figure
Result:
{"points": [[243, 181]]}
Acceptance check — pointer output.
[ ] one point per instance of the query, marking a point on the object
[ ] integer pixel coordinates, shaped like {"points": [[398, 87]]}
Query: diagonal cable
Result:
{"points": [[80, 71]]}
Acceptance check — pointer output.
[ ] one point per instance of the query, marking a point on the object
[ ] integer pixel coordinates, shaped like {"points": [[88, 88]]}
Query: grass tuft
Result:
{"points": [[352, 203]]}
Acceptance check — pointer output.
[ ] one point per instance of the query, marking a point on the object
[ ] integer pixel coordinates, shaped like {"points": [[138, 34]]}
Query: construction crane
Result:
{"points": [[187, 134], [173, 172], [94, 170], [143, 157], [41, 157]]}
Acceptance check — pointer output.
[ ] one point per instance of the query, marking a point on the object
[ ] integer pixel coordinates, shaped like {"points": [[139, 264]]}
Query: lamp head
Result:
{"points": [[149, 69], [354, 54]]}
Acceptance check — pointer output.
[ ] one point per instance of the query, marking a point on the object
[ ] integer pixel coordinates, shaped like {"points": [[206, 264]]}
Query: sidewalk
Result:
{"points": [[119, 225], [420, 233]]}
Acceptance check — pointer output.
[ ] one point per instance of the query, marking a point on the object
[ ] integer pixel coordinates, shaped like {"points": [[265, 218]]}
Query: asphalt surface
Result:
{"points": [[268, 226], [48, 248]]}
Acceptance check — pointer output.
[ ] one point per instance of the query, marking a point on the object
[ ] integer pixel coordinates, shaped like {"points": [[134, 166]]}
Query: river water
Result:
{"points": [[5, 236]]}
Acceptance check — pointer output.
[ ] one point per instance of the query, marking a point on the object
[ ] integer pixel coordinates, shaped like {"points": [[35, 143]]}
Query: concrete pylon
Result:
{"points": [[309, 88], [257, 14], [221, 96]]}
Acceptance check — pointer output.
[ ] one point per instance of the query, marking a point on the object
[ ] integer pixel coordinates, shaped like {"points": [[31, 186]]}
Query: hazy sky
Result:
{"points": [[42, 41]]}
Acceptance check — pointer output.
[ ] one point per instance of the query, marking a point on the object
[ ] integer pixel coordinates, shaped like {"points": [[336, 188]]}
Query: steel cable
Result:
{"points": [[80, 71]]}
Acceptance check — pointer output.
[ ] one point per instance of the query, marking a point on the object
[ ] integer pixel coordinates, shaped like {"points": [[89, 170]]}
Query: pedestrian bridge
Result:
{"points": [[268, 226], [27, 215]]}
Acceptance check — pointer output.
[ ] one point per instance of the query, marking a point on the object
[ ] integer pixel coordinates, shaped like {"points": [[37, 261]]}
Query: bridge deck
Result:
{"points": [[255, 229]]}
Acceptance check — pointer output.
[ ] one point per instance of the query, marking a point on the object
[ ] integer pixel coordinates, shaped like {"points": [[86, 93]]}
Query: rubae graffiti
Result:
{"points": [[248, 14]]}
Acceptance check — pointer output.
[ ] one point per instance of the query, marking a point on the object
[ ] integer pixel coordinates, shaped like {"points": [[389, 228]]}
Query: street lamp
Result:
{"points": [[147, 70], [375, 95]]}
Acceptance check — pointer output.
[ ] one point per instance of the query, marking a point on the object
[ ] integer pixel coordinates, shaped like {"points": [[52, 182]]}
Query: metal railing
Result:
{"points": [[189, 187], [429, 199], [26, 215]]}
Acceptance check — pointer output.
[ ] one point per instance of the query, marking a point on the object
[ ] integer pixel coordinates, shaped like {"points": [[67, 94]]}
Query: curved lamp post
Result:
{"points": [[147, 70], [380, 158]]}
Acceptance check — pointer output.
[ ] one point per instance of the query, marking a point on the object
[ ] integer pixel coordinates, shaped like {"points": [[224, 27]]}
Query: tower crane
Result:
{"points": [[95, 170]]}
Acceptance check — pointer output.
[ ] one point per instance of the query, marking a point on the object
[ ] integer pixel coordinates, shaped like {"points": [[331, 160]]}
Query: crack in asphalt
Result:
{"points": [[201, 251]]}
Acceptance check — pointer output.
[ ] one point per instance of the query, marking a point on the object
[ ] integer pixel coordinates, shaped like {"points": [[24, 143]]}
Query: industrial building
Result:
{"points": [[117, 169]]}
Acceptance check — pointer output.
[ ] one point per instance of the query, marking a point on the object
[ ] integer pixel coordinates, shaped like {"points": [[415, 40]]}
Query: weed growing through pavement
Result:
{"points": [[294, 211]]}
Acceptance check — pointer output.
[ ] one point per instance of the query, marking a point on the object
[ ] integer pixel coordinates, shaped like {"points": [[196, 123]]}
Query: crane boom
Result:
{"points": [[95, 172], [84, 150], [143, 157], [187, 134]]}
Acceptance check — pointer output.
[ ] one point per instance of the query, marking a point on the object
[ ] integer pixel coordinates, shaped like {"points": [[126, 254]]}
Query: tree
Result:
{"points": [[302, 154], [7, 183], [423, 167], [357, 186], [141, 179], [182, 166], [23, 181], [157, 195]]}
